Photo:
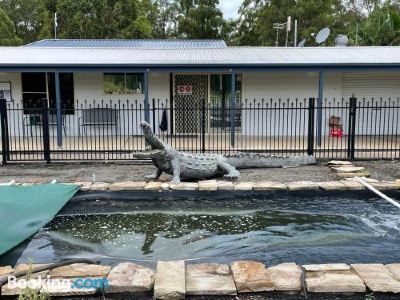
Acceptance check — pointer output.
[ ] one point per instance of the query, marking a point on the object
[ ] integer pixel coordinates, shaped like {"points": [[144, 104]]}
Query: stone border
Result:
{"points": [[176, 279], [215, 185]]}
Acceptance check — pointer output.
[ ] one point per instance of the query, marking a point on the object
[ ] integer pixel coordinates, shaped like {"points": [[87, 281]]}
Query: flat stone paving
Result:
{"points": [[178, 279], [378, 277], [130, 277], [170, 281], [209, 279], [251, 276], [333, 278]]}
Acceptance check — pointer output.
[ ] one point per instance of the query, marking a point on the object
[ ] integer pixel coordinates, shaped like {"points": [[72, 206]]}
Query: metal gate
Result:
{"points": [[190, 90], [24, 137]]}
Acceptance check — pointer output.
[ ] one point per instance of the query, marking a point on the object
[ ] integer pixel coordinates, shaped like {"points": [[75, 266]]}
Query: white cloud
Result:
{"points": [[230, 8]]}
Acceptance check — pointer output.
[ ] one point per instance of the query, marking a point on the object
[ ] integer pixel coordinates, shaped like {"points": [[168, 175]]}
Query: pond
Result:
{"points": [[271, 228]]}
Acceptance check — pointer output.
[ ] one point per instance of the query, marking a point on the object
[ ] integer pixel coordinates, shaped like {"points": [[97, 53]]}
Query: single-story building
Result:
{"points": [[74, 75]]}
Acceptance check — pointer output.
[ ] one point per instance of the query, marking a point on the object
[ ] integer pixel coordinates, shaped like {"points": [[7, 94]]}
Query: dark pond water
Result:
{"points": [[269, 228]]}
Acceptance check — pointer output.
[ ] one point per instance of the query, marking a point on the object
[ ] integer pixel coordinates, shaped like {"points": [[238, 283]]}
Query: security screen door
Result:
{"points": [[190, 90]]}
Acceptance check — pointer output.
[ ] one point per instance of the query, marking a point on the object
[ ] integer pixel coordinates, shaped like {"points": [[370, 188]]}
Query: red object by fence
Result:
{"points": [[336, 132]]}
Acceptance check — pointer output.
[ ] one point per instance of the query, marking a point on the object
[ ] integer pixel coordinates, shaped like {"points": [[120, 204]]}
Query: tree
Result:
{"points": [[244, 33], [166, 20], [103, 19], [200, 19], [256, 19], [381, 27], [8, 36], [27, 17]]}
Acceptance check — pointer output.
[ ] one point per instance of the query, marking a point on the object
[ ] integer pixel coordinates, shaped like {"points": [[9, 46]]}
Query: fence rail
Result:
{"points": [[109, 130]]}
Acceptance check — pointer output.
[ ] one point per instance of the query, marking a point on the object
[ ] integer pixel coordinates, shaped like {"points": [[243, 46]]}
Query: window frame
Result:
{"points": [[125, 74]]}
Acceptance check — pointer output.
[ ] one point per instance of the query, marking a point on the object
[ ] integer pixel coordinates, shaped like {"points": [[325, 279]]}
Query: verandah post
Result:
{"points": [[319, 106], [58, 109], [4, 130], [233, 107], [146, 97], [310, 137]]}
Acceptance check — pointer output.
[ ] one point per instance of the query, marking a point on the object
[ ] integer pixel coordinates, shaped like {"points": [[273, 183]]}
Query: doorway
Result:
{"points": [[190, 90]]}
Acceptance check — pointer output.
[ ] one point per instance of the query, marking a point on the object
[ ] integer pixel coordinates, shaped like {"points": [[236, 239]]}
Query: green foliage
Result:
{"points": [[27, 17], [200, 19], [381, 27], [8, 36], [32, 294], [366, 22]]}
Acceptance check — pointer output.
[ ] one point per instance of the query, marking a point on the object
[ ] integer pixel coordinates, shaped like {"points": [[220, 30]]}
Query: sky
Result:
{"points": [[229, 8]]}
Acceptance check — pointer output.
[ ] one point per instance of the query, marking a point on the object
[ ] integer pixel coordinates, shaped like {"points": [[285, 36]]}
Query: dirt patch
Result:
{"points": [[382, 170]]}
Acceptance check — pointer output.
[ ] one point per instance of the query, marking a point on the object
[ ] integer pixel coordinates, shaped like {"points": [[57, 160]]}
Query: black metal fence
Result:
{"points": [[109, 130]]}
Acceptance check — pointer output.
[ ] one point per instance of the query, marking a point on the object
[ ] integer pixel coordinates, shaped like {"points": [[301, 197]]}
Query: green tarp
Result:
{"points": [[26, 209]]}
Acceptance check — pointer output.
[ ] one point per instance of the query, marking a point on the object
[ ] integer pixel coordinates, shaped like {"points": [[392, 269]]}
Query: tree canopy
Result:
{"points": [[365, 22]]}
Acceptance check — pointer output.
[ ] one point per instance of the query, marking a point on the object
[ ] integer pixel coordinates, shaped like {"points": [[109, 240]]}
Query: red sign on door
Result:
{"points": [[184, 89]]}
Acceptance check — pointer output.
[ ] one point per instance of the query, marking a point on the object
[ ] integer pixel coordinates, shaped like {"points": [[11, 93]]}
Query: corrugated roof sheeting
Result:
{"points": [[126, 43], [230, 56]]}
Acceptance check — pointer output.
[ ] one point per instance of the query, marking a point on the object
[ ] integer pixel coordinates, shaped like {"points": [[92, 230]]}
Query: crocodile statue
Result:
{"points": [[184, 165]]}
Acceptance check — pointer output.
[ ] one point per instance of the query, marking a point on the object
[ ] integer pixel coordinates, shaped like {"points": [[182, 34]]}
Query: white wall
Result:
{"points": [[284, 88], [338, 88], [16, 86]]}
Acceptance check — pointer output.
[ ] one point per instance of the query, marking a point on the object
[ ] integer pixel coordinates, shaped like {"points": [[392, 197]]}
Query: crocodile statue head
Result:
{"points": [[150, 137]]}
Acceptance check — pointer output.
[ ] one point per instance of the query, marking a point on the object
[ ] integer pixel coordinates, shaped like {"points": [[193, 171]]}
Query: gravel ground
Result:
{"points": [[382, 170]]}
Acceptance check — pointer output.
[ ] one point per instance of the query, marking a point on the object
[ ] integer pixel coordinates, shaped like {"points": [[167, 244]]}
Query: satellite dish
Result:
{"points": [[301, 43], [322, 35]]}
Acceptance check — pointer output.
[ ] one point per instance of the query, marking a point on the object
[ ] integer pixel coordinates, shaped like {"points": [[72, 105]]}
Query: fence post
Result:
{"points": [[203, 125], [233, 108], [4, 130], [311, 122], [153, 110], [352, 128], [46, 134]]}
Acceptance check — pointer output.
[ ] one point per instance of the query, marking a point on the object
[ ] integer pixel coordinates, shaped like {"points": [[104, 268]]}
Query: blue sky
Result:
{"points": [[229, 8]]}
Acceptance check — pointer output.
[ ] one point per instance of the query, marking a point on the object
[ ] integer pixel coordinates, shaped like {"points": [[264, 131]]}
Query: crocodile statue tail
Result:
{"points": [[244, 160]]}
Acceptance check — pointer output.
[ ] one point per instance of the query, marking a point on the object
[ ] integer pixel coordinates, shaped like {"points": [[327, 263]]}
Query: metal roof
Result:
{"points": [[126, 43], [223, 57]]}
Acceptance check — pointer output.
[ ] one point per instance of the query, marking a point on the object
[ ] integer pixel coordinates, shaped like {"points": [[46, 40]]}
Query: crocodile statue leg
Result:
{"points": [[176, 170], [155, 175], [230, 171]]}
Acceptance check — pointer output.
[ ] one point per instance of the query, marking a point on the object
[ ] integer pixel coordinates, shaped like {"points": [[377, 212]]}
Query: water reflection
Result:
{"points": [[308, 230]]}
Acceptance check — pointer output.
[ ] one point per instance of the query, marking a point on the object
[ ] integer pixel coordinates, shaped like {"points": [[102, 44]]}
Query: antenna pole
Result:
{"points": [[55, 25], [357, 35], [288, 28], [295, 33]]}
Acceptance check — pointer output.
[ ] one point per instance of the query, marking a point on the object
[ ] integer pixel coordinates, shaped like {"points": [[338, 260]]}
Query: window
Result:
{"points": [[123, 83], [33, 91], [220, 90], [37, 87]]}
